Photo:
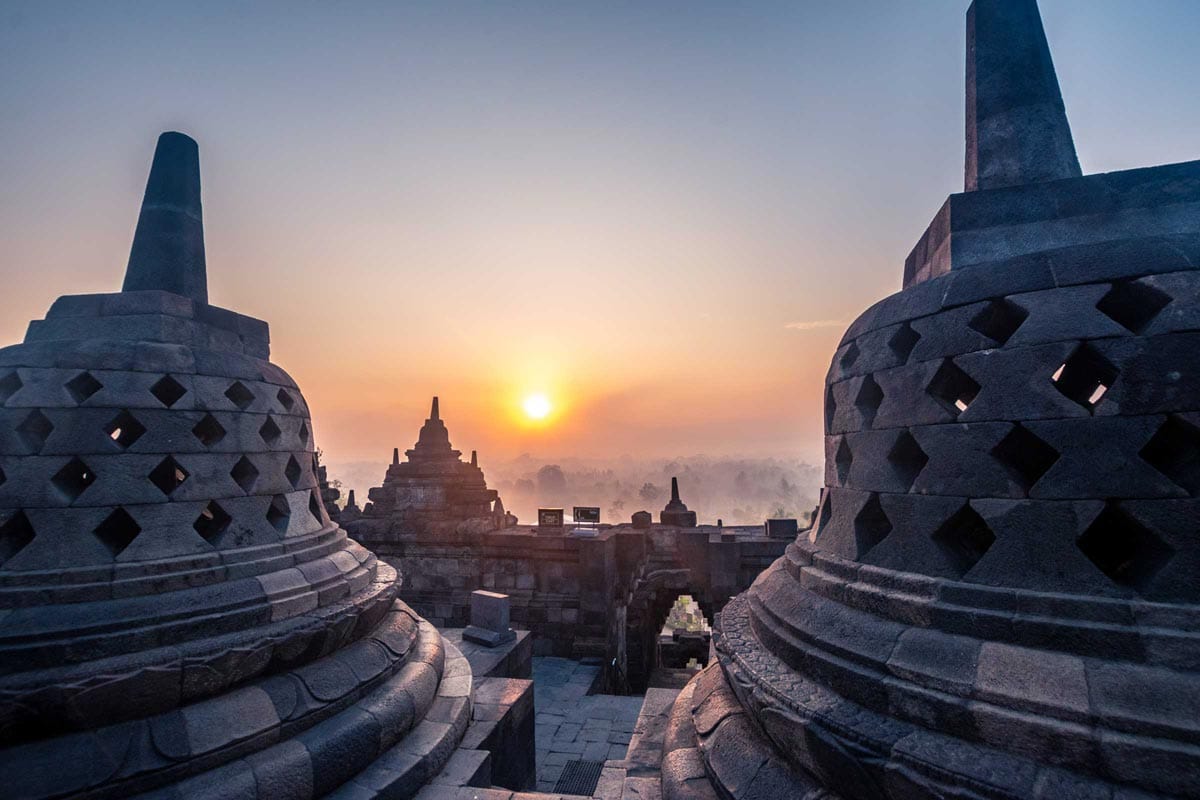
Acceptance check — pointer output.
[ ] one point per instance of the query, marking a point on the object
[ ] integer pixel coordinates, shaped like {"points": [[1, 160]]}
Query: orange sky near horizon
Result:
{"points": [[662, 216]]}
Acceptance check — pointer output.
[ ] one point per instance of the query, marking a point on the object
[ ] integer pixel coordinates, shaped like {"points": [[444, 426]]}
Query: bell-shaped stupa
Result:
{"points": [[178, 615], [1000, 596]]}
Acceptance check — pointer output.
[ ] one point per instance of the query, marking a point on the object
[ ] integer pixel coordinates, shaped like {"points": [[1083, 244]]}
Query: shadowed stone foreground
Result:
{"points": [[999, 595]]}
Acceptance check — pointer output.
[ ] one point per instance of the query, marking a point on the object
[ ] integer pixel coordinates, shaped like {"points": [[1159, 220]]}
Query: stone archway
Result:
{"points": [[646, 613]]}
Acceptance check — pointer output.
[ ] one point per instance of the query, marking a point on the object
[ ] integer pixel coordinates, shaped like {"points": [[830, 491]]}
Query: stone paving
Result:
{"points": [[573, 725]]}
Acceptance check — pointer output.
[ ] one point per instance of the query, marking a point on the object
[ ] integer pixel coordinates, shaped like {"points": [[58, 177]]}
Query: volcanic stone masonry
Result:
{"points": [[179, 617], [1000, 595]]}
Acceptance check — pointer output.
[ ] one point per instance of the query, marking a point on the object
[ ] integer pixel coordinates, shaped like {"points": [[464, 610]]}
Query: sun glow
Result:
{"points": [[536, 406]]}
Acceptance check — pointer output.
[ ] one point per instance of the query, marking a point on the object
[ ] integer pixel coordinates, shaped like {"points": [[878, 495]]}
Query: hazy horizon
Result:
{"points": [[661, 216]]}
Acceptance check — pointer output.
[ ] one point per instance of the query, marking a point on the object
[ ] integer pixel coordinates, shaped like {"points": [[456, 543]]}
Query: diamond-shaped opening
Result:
{"points": [[293, 471], [1174, 450], [870, 526], [83, 386], [953, 388], [907, 459], [117, 531], [285, 399], [830, 408], [168, 391], [278, 513], [868, 399], [314, 506], [303, 433], [963, 539], [35, 429], [73, 479], [208, 431], [3, 477], [842, 460], [15, 534], [1133, 304], [1085, 377], [9, 385], [1026, 457], [244, 474], [124, 429], [903, 341], [168, 475], [1123, 549], [239, 395], [212, 522], [269, 431], [850, 356], [998, 320]]}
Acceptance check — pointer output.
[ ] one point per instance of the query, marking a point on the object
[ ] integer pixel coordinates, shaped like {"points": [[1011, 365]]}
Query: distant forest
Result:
{"points": [[739, 491]]}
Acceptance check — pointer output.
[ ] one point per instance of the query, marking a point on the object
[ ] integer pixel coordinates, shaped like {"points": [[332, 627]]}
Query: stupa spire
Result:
{"points": [[674, 490], [168, 243], [1017, 129], [433, 412], [474, 459], [395, 456]]}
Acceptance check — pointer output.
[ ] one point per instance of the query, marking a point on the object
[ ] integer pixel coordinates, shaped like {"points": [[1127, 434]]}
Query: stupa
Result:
{"points": [[179, 617], [433, 488], [1000, 596], [675, 512]]}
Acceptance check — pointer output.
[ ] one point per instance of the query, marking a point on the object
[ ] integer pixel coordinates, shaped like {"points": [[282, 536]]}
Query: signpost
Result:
{"points": [[550, 517], [587, 520]]}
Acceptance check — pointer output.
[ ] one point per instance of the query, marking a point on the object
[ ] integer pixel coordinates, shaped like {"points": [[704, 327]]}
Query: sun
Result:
{"points": [[536, 406]]}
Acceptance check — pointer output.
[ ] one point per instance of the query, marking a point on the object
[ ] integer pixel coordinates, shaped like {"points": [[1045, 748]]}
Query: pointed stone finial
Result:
{"points": [[674, 490], [168, 244], [474, 459], [1017, 129], [350, 499], [395, 456], [433, 413]]}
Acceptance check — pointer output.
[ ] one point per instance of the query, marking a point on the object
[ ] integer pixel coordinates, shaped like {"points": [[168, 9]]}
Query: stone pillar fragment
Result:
{"points": [[489, 619], [1017, 129], [168, 244]]}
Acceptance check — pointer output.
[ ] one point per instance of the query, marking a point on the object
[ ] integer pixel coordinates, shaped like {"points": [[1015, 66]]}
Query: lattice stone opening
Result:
{"points": [[850, 356], [83, 386], [830, 409], [35, 429], [303, 433], [1133, 304], [73, 479], [3, 477], [314, 506], [269, 431], [1026, 457], [244, 474], [212, 522], [998, 320], [953, 388], [868, 400], [117, 531], [10, 384], [1174, 450], [168, 475], [168, 390], [907, 459], [15, 534], [903, 341], [239, 395], [1124, 549], [871, 526], [125, 430], [279, 513], [293, 471], [964, 539], [208, 431], [285, 399], [843, 459], [1085, 377]]}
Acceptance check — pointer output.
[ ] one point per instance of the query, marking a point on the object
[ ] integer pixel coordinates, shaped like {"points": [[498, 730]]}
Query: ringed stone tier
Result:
{"points": [[179, 617], [1000, 596], [434, 489]]}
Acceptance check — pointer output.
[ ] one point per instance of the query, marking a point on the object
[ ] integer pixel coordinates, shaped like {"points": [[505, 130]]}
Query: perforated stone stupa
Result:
{"points": [[178, 615], [1000, 597]]}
